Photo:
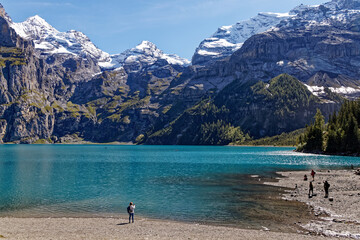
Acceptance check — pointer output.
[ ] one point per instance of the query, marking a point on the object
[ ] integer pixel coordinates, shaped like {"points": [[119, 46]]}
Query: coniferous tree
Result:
{"points": [[341, 135], [313, 135], [351, 134]]}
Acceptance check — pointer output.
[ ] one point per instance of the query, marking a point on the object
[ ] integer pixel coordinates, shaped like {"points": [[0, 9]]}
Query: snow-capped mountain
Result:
{"points": [[228, 39], [49, 40], [145, 54], [341, 13], [344, 16]]}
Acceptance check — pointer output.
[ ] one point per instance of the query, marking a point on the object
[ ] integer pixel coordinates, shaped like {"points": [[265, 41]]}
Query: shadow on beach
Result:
{"points": [[121, 224]]}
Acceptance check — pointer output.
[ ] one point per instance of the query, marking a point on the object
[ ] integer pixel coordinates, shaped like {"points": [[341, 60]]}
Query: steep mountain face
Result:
{"points": [[319, 39], [54, 89], [227, 39], [30, 83]]}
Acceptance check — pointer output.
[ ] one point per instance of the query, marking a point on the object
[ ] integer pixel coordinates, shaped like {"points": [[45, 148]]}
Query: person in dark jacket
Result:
{"points": [[311, 189], [326, 188]]}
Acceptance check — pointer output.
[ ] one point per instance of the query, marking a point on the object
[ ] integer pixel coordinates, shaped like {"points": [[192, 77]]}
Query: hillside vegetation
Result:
{"points": [[242, 112], [284, 139], [341, 135]]}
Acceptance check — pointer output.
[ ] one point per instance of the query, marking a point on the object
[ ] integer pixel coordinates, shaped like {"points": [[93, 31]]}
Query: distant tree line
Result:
{"points": [[284, 139], [341, 135]]}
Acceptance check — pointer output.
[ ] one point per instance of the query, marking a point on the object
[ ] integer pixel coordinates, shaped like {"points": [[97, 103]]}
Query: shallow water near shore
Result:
{"points": [[187, 183]]}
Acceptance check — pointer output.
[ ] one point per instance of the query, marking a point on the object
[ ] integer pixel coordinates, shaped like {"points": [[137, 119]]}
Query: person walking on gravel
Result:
{"points": [[313, 174]]}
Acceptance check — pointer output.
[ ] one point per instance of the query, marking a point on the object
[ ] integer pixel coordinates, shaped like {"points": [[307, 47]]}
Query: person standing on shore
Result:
{"points": [[313, 174], [311, 189], [326, 188], [131, 211]]}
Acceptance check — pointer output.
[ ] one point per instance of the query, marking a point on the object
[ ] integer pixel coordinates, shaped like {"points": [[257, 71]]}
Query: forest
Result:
{"points": [[340, 135]]}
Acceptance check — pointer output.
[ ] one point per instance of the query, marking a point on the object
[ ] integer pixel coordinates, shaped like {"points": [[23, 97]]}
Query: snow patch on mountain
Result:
{"points": [[146, 54], [319, 91], [228, 39], [49, 40], [327, 14]]}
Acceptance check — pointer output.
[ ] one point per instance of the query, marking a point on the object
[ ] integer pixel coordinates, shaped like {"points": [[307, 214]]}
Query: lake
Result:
{"points": [[188, 183]]}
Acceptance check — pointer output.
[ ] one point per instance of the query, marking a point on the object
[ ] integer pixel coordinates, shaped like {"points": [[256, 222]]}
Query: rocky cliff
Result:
{"points": [[60, 92]]}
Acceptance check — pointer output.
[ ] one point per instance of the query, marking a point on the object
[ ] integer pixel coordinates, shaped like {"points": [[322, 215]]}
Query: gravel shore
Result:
{"points": [[339, 214], [112, 228]]}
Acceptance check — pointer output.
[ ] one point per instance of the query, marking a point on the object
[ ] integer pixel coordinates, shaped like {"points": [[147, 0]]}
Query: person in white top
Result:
{"points": [[131, 211]]}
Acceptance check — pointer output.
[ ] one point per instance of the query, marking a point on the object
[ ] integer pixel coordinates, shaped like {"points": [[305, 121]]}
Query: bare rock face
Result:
{"points": [[28, 125], [2, 129], [302, 53], [8, 35]]}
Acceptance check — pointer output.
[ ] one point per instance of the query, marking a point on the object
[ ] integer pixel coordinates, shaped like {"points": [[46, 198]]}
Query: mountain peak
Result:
{"points": [[48, 39], [3, 13], [39, 22], [147, 46], [2, 9], [36, 18], [145, 53]]}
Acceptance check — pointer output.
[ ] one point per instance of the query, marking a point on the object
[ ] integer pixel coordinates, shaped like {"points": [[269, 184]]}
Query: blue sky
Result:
{"points": [[175, 26]]}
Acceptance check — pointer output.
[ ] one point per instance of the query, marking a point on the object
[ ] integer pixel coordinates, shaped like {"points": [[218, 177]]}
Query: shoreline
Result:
{"points": [[118, 228], [338, 215], [341, 154]]}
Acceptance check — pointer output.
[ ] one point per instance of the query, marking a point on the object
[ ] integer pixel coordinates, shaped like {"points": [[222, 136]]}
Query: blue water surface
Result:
{"points": [[191, 183]]}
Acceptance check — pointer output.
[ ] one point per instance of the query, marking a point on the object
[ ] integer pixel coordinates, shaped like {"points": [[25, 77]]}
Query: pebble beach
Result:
{"points": [[339, 214], [113, 228]]}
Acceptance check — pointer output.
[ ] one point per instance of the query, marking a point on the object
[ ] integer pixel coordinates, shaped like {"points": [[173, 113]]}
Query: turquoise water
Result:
{"points": [[191, 183]]}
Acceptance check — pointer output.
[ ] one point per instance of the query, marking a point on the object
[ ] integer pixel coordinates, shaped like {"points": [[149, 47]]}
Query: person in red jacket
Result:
{"points": [[313, 174]]}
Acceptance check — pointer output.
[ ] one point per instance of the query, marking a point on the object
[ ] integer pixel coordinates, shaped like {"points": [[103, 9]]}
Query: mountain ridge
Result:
{"points": [[49, 40]]}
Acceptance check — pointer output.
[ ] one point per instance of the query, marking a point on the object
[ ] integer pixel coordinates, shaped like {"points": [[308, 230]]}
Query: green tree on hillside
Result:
{"points": [[313, 138], [220, 133], [341, 135]]}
